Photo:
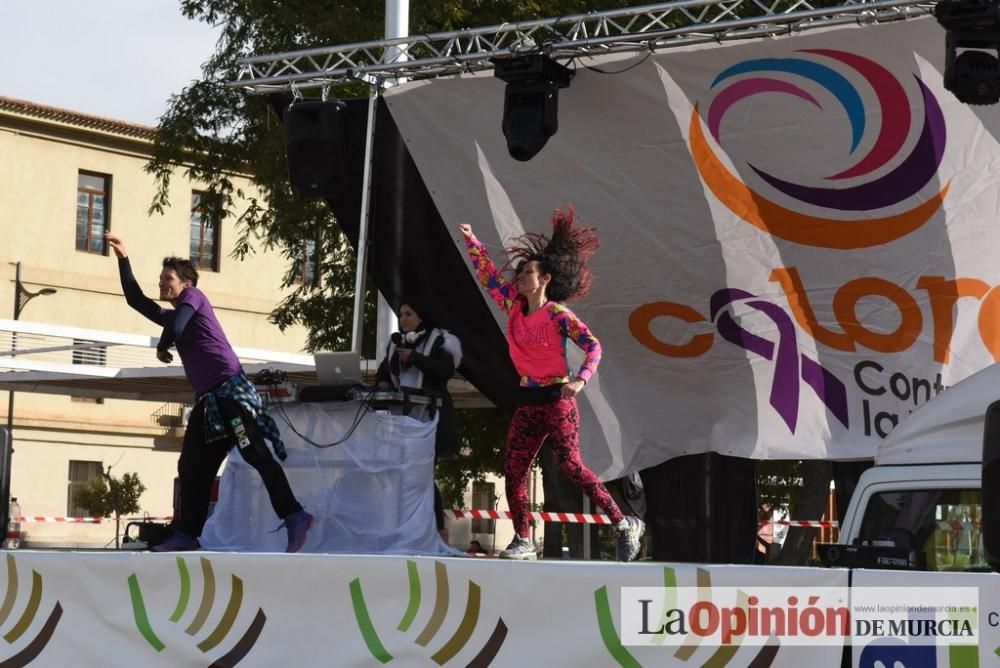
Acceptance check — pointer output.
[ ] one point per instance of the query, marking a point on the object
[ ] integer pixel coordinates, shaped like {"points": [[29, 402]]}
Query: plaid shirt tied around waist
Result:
{"points": [[241, 390]]}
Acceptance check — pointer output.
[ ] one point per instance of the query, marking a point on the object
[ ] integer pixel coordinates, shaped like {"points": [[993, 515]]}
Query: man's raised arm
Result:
{"points": [[133, 293]]}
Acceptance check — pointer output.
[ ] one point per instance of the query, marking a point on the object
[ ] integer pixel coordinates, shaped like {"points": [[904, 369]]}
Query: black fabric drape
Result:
{"points": [[413, 252], [702, 508]]}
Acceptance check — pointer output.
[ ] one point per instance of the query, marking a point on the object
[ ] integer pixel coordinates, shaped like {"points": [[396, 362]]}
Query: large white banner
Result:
{"points": [[217, 609], [310, 610], [799, 235]]}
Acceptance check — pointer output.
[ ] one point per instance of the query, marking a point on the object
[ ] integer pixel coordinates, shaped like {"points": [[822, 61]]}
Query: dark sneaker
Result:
{"points": [[519, 548], [179, 542], [298, 525], [629, 535]]}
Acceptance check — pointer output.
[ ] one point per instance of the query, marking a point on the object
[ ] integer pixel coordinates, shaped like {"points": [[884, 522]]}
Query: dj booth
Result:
{"points": [[364, 467]]}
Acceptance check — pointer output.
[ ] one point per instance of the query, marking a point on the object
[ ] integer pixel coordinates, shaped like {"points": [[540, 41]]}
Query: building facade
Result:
{"points": [[65, 178]]}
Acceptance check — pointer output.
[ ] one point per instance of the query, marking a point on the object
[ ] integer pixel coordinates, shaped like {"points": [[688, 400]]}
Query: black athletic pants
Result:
{"points": [[199, 464]]}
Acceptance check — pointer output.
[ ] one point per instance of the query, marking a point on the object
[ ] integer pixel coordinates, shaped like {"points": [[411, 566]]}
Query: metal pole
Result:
{"points": [[397, 24], [359, 276], [386, 324], [21, 297], [397, 19], [8, 444]]}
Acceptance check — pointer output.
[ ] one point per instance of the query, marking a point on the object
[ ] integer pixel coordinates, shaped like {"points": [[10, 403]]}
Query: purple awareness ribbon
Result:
{"points": [[789, 364]]}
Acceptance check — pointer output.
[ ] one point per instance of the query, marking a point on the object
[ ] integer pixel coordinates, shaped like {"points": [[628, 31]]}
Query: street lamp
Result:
{"points": [[21, 297]]}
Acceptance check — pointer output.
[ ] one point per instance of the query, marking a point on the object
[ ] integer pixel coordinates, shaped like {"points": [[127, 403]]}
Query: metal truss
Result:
{"points": [[634, 30]]}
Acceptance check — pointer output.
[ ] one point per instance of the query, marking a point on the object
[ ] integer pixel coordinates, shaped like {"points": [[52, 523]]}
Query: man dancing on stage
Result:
{"points": [[549, 271], [227, 411]]}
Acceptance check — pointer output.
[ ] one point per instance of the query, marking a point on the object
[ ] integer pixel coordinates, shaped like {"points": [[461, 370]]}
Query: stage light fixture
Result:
{"points": [[531, 101], [972, 26]]}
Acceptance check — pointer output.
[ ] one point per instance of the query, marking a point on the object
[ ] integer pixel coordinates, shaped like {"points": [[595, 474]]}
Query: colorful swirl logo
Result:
{"points": [[885, 175]]}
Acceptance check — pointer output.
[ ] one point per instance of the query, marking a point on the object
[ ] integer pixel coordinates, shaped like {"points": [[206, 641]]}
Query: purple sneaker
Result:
{"points": [[298, 525], [178, 542]]}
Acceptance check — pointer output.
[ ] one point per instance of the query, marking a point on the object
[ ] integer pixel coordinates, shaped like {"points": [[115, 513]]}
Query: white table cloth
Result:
{"points": [[371, 494]]}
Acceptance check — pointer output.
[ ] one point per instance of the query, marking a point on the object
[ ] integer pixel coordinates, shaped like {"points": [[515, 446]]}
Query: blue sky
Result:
{"points": [[116, 58]]}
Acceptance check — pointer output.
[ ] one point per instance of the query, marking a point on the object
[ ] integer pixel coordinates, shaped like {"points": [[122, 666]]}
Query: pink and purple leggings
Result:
{"points": [[560, 422]]}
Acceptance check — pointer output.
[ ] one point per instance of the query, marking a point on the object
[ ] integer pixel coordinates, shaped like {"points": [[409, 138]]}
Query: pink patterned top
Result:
{"points": [[537, 342]]}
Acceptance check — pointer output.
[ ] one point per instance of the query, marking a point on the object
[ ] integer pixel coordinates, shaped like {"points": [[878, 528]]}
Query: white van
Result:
{"points": [[925, 491]]}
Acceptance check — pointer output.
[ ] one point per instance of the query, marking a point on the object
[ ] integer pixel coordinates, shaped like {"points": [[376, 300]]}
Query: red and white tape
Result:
{"points": [[808, 524], [586, 518], [574, 518], [62, 520], [571, 518], [85, 520]]}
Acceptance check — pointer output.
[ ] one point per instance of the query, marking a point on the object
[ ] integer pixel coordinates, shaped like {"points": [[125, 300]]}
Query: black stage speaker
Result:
{"points": [[530, 117], [316, 143], [991, 485]]}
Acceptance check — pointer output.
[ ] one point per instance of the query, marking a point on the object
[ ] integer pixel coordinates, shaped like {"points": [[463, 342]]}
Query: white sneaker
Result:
{"points": [[520, 548], [629, 535]]}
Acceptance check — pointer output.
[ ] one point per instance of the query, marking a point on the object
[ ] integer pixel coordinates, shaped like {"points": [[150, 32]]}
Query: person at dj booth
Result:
{"points": [[422, 358]]}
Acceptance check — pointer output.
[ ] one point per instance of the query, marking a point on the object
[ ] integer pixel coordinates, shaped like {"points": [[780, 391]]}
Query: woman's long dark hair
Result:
{"points": [[563, 255], [416, 304]]}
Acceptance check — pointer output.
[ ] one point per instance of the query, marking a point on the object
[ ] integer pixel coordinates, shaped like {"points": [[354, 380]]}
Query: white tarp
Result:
{"points": [[948, 429], [308, 610], [371, 493], [799, 234]]}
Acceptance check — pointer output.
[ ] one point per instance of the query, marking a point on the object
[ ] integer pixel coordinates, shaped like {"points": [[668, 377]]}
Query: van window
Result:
{"points": [[944, 524]]}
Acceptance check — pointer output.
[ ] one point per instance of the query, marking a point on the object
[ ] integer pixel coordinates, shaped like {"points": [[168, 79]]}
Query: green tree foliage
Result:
{"points": [[107, 496], [797, 490], [482, 435], [778, 486]]}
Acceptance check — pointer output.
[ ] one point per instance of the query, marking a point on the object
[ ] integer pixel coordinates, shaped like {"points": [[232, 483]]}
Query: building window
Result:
{"points": [[204, 232], [80, 473], [306, 262], [98, 356], [483, 497], [93, 200]]}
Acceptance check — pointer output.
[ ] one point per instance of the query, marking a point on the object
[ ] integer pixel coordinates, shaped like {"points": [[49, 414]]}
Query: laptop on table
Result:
{"points": [[337, 373]]}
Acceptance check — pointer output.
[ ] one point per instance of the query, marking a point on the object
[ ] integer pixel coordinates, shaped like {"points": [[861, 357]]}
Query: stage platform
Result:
{"points": [[276, 610]]}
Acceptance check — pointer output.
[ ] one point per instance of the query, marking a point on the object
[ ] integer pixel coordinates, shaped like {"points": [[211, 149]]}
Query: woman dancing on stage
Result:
{"points": [[548, 272]]}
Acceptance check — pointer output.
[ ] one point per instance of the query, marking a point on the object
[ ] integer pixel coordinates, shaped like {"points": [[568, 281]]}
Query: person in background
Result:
{"points": [[227, 409], [476, 549], [549, 270], [422, 357]]}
